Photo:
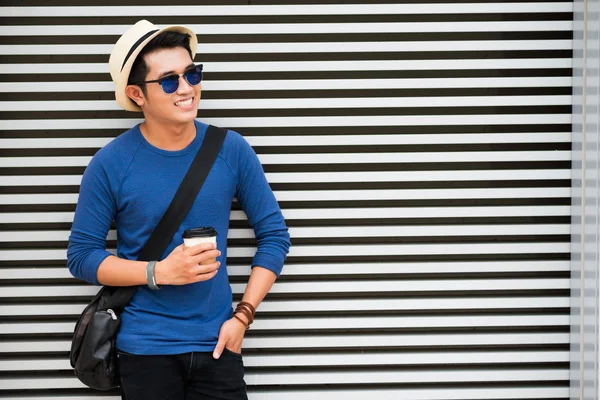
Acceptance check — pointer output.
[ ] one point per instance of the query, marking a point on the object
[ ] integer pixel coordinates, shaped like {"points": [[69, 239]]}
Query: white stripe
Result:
{"points": [[411, 377], [335, 305], [369, 158], [409, 194], [55, 143], [357, 286], [387, 304], [308, 28], [416, 212], [356, 65], [15, 162], [326, 269], [301, 324], [409, 322], [312, 177], [347, 250], [345, 102], [362, 158], [336, 47], [337, 341], [399, 286], [285, 103], [325, 195], [308, 84], [396, 176], [344, 213], [312, 9], [319, 47], [261, 122], [322, 84], [407, 231], [329, 269], [332, 158], [363, 359], [276, 378], [394, 139], [405, 339], [321, 140], [499, 393], [339, 378], [339, 232]]}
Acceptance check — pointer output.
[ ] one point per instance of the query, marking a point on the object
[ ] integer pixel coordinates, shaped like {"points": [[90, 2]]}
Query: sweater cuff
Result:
{"points": [[94, 260], [272, 263]]}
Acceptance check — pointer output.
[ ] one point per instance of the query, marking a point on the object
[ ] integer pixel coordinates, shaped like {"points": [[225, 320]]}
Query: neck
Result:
{"points": [[168, 137]]}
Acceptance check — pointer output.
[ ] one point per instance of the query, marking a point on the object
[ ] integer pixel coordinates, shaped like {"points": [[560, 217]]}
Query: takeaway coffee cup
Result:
{"points": [[195, 236]]}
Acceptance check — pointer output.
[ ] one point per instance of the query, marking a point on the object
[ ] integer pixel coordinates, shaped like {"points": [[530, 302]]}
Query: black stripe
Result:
{"points": [[243, 224], [207, 37], [271, 75], [288, 19], [136, 45], [450, 239], [316, 93], [303, 204], [305, 131], [317, 56], [307, 112], [342, 167], [542, 183]]}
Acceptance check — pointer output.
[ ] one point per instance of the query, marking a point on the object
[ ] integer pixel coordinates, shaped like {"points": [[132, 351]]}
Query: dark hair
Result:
{"points": [[164, 40]]}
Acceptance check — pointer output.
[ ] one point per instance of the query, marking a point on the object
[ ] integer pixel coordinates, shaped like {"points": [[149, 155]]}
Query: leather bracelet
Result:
{"points": [[246, 314], [242, 321], [150, 276], [247, 309], [250, 311], [247, 305]]}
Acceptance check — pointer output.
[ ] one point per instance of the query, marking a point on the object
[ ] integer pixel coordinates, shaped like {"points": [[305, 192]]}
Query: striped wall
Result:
{"points": [[421, 153]]}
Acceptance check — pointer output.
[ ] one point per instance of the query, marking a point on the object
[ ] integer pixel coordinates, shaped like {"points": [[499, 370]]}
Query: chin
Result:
{"points": [[184, 118]]}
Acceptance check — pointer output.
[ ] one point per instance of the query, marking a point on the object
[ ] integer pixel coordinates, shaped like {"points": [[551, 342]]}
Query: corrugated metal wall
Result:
{"points": [[585, 265], [420, 153]]}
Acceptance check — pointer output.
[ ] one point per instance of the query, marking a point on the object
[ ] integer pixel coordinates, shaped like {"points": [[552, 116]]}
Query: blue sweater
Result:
{"points": [[132, 182]]}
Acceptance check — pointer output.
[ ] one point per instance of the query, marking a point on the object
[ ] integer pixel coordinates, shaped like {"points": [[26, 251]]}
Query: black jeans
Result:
{"points": [[189, 376]]}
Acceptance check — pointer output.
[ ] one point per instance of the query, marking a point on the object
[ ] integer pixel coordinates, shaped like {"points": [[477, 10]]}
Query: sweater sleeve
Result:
{"points": [[258, 202], [95, 211]]}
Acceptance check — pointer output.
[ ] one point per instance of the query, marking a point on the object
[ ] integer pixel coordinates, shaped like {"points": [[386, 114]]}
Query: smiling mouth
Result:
{"points": [[184, 103]]}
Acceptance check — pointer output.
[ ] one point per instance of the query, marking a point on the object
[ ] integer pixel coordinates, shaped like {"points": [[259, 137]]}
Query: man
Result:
{"points": [[179, 338]]}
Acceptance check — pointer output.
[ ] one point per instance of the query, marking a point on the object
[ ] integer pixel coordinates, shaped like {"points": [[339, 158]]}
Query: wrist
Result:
{"points": [[241, 319]]}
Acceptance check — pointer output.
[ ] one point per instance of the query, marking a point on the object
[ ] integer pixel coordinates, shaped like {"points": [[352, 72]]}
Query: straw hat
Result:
{"points": [[127, 49]]}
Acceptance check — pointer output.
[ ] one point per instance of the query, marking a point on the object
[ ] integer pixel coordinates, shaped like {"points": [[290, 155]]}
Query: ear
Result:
{"points": [[135, 93]]}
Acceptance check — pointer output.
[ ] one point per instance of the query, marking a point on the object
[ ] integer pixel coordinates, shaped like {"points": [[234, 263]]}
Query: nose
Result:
{"points": [[184, 86]]}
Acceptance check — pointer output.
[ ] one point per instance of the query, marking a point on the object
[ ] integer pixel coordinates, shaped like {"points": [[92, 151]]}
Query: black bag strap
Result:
{"points": [[171, 220], [185, 196]]}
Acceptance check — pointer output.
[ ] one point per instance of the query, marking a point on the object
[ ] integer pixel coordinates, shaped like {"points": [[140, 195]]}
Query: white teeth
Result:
{"points": [[184, 103]]}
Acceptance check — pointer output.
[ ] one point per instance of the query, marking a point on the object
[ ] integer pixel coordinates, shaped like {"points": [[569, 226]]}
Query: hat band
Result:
{"points": [[136, 45]]}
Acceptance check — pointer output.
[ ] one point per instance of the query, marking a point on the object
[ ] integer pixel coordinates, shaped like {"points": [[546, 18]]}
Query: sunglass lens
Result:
{"points": [[170, 84], [194, 76]]}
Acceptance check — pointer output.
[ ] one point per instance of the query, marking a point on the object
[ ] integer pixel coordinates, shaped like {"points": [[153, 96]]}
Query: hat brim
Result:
{"points": [[122, 99]]}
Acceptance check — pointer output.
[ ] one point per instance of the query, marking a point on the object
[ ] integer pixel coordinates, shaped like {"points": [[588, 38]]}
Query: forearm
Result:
{"points": [[181, 267], [115, 271], [260, 282]]}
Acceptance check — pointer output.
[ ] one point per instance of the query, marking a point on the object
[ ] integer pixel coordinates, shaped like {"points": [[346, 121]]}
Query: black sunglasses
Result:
{"points": [[170, 83]]}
